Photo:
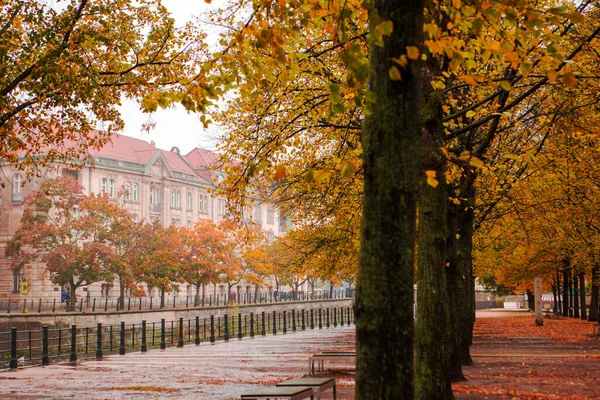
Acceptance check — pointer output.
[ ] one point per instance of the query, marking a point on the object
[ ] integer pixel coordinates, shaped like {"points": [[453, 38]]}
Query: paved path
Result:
{"points": [[219, 371]]}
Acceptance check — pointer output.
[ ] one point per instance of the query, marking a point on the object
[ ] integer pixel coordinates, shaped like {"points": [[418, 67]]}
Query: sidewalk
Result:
{"points": [[219, 371]]}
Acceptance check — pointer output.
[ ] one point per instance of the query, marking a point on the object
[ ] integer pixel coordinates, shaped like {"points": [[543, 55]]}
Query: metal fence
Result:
{"points": [[23, 348], [104, 304]]}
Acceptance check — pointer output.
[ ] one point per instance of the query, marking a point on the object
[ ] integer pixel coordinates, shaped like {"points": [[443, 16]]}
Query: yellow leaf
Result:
{"points": [[475, 162], [431, 178], [505, 85], [280, 172], [469, 79], [552, 75], [412, 52], [348, 169], [395, 74], [456, 4], [470, 113]]}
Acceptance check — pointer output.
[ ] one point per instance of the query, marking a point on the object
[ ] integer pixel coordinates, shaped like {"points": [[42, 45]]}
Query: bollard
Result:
{"points": [[98, 341], [312, 320], [45, 358], [334, 317], [264, 331], [320, 318], [73, 356], [294, 320], [122, 339], [212, 329], [349, 316], [144, 345], [240, 326], [162, 334], [251, 325], [284, 321], [180, 338], [13, 348], [274, 323], [226, 323], [140, 303], [94, 305], [327, 321], [197, 339], [342, 316]]}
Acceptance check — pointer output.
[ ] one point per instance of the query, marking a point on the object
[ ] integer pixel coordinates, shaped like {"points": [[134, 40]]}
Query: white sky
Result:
{"points": [[174, 127]]}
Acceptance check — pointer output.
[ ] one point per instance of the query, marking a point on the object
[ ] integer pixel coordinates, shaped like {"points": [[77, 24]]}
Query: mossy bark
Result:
{"points": [[390, 138]]}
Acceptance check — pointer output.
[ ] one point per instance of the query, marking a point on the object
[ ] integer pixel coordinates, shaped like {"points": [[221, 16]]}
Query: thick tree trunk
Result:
{"points": [[570, 294], [197, 298], [595, 291], [121, 294], [390, 138], [435, 334], [582, 296], [530, 300], [575, 295], [565, 307]]}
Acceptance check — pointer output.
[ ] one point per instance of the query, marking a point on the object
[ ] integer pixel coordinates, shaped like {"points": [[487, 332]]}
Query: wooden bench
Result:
{"points": [[320, 384], [320, 359], [290, 393]]}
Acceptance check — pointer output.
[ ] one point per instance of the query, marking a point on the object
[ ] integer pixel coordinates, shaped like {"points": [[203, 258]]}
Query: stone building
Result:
{"points": [[167, 186]]}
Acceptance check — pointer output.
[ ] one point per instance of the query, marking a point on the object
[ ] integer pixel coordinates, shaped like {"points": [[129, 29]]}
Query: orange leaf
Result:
{"points": [[280, 172]]}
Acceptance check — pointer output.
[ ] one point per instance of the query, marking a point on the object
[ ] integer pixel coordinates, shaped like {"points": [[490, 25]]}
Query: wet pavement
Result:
{"points": [[218, 371]]}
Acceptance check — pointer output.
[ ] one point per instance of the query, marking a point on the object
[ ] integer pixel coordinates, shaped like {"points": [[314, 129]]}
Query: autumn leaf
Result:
{"points": [[412, 52], [280, 173], [431, 178]]}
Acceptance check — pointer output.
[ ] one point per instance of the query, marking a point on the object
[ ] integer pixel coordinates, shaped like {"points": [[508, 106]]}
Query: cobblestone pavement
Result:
{"points": [[218, 371]]}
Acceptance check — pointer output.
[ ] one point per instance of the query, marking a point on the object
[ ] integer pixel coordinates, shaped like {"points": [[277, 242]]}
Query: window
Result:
{"points": [[103, 185], [17, 190], [221, 207], [175, 221], [178, 199], [189, 201], [111, 189], [16, 280], [189, 223], [173, 198], [257, 214], [127, 191], [270, 216], [134, 192], [203, 204]]}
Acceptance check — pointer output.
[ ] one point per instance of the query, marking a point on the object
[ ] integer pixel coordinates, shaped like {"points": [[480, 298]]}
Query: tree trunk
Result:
{"points": [[570, 294], [582, 296], [565, 307], [575, 295], [530, 300], [595, 291], [197, 299], [121, 294], [390, 138], [436, 338]]}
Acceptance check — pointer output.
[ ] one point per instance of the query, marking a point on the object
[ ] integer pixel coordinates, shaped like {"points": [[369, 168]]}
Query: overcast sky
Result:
{"points": [[174, 127]]}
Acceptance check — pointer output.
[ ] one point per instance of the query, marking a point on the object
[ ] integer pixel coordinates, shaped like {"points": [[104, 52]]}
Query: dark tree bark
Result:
{"points": [[582, 295], [565, 307], [575, 295], [530, 300], [555, 305], [434, 332], [595, 289], [570, 294], [390, 138]]}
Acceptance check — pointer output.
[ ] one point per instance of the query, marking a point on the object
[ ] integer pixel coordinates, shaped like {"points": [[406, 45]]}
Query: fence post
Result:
{"points": [[53, 306], [144, 345], [94, 305], [303, 326], [105, 304], [174, 301], [284, 321], [327, 321], [197, 338], [320, 318], [240, 326], [40, 306], [45, 358], [162, 334], [180, 338], [151, 302], [122, 339], [264, 327], [226, 324], [294, 320], [334, 317], [81, 304], [312, 319], [24, 306], [99, 341], [212, 329], [13, 348], [341, 316], [349, 316], [274, 323], [251, 325], [73, 356]]}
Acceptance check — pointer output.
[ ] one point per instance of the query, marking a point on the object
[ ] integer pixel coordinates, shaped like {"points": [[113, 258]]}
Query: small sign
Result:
{"points": [[24, 287]]}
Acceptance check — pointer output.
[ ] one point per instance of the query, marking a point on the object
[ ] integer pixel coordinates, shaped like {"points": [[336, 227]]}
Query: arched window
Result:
{"points": [[134, 193], [189, 201], [111, 188], [127, 191], [17, 189], [103, 185]]}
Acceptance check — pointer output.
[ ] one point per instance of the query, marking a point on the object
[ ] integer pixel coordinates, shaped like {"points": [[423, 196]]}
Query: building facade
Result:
{"points": [[151, 183]]}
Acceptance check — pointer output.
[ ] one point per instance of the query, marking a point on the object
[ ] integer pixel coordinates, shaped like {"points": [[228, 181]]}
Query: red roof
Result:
{"points": [[202, 159], [125, 148], [177, 163]]}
